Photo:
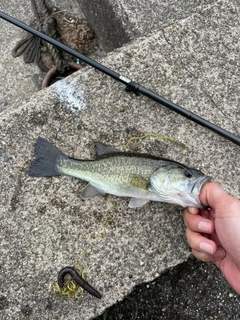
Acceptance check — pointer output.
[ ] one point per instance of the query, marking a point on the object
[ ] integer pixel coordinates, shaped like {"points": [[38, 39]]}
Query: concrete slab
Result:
{"points": [[45, 226], [118, 21]]}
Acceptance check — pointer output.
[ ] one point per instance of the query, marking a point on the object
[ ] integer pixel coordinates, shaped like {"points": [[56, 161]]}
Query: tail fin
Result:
{"points": [[47, 156]]}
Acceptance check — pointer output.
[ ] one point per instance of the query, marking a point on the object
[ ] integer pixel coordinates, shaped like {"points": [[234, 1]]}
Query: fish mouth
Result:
{"points": [[199, 183]]}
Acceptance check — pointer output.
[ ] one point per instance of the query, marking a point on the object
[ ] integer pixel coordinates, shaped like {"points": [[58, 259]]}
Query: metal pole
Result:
{"points": [[131, 86]]}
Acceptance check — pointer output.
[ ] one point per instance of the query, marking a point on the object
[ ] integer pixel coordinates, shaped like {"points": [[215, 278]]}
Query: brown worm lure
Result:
{"points": [[79, 280], [48, 76]]}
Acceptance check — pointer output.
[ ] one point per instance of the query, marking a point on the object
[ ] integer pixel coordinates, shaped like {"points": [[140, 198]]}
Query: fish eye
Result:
{"points": [[187, 173]]}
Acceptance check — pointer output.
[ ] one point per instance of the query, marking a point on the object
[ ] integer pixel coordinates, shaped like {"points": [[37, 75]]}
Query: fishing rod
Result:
{"points": [[130, 85]]}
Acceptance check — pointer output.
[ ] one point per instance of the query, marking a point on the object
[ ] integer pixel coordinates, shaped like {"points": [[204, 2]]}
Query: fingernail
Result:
{"points": [[206, 247], [193, 210], [220, 254], [205, 226]]}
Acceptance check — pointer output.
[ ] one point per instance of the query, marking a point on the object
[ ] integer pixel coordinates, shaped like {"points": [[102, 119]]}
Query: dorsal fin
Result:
{"points": [[103, 149]]}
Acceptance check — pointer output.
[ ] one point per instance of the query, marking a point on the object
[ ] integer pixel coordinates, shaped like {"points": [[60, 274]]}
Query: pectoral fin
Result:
{"points": [[90, 191], [135, 202]]}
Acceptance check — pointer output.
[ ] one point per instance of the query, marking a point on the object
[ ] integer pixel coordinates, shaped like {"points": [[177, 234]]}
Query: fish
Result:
{"points": [[142, 177]]}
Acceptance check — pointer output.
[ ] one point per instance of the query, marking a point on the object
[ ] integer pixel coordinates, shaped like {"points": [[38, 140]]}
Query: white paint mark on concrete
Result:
{"points": [[72, 97]]}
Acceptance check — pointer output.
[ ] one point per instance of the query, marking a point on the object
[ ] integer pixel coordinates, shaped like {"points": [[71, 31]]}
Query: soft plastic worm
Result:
{"points": [[75, 275], [48, 76]]}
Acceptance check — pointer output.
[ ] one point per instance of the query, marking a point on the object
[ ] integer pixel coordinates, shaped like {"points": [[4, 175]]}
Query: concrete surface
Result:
{"points": [[118, 21], [193, 62]]}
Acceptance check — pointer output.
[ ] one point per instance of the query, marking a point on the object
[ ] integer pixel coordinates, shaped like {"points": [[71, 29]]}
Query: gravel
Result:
{"points": [[192, 290]]}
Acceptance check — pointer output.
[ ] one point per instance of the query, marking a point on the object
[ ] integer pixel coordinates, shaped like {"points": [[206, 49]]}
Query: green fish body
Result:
{"points": [[139, 176]]}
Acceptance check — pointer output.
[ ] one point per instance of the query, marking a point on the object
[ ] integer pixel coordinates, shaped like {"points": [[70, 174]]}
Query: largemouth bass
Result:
{"points": [[140, 176]]}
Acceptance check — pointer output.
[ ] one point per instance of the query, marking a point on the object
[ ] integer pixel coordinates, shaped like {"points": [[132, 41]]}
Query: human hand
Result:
{"points": [[214, 235]]}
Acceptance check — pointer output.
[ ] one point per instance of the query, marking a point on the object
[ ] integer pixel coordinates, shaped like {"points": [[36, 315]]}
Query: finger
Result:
{"points": [[199, 243], [202, 256], [193, 210], [215, 239], [216, 258], [197, 223]]}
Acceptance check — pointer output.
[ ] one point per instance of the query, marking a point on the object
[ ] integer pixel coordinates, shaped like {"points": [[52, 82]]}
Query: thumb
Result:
{"points": [[213, 196]]}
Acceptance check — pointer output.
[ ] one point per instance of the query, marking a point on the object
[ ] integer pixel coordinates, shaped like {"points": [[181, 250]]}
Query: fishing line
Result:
{"points": [[130, 85], [71, 290], [151, 135]]}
